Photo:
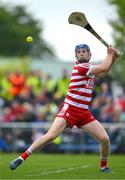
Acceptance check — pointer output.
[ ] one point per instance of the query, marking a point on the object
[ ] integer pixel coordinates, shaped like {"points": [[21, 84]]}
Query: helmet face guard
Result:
{"points": [[84, 46]]}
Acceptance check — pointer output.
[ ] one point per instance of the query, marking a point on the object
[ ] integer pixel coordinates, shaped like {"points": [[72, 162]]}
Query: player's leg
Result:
{"points": [[96, 130], [57, 127]]}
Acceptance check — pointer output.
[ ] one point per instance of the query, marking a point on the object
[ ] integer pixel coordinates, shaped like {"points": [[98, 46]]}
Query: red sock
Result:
{"points": [[26, 154], [103, 163]]}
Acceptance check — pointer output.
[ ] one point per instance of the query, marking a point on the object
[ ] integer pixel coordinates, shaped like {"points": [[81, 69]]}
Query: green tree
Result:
{"points": [[118, 26], [15, 25]]}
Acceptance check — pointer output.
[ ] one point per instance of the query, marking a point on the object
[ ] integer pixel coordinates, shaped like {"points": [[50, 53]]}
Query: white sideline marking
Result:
{"points": [[59, 170]]}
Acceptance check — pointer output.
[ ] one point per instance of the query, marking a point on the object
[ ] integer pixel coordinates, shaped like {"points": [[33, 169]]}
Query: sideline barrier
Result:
{"points": [[18, 136]]}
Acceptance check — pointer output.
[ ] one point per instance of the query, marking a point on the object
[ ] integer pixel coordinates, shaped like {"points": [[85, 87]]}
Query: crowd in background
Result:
{"points": [[38, 97], [32, 97]]}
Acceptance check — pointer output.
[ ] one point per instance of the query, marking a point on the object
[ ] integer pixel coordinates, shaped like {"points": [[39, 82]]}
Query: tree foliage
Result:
{"points": [[15, 25], [118, 26]]}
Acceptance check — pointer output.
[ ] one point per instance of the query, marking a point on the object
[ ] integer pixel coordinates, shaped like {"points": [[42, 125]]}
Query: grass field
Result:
{"points": [[61, 166]]}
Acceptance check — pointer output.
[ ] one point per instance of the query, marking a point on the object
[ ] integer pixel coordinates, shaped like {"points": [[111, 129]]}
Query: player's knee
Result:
{"points": [[105, 139]]}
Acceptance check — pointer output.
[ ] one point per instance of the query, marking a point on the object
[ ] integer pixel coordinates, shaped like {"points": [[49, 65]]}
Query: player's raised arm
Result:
{"points": [[107, 63]]}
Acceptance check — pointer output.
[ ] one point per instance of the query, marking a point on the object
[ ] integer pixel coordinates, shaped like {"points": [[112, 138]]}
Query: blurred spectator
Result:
{"points": [[5, 87], [34, 81], [95, 108], [116, 114], [50, 85], [26, 96], [106, 111], [29, 114], [63, 83], [16, 111], [49, 111], [17, 81], [7, 115], [42, 98], [120, 101], [104, 94]]}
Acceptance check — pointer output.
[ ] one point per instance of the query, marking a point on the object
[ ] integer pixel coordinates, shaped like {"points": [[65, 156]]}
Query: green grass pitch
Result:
{"points": [[61, 166]]}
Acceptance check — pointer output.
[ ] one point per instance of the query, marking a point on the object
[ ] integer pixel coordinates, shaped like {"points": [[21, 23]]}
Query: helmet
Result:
{"points": [[84, 46]]}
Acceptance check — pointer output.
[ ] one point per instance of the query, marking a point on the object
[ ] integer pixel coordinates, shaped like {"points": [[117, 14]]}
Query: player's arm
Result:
{"points": [[105, 66]]}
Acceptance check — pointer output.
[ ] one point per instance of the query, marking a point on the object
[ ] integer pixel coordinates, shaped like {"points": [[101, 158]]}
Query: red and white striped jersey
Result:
{"points": [[81, 86]]}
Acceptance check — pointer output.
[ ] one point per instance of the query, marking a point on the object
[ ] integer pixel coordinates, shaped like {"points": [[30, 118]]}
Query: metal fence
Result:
{"points": [[16, 137]]}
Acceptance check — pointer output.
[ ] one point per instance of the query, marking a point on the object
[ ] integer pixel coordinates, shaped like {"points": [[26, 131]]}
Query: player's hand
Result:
{"points": [[117, 54], [114, 52], [111, 51]]}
